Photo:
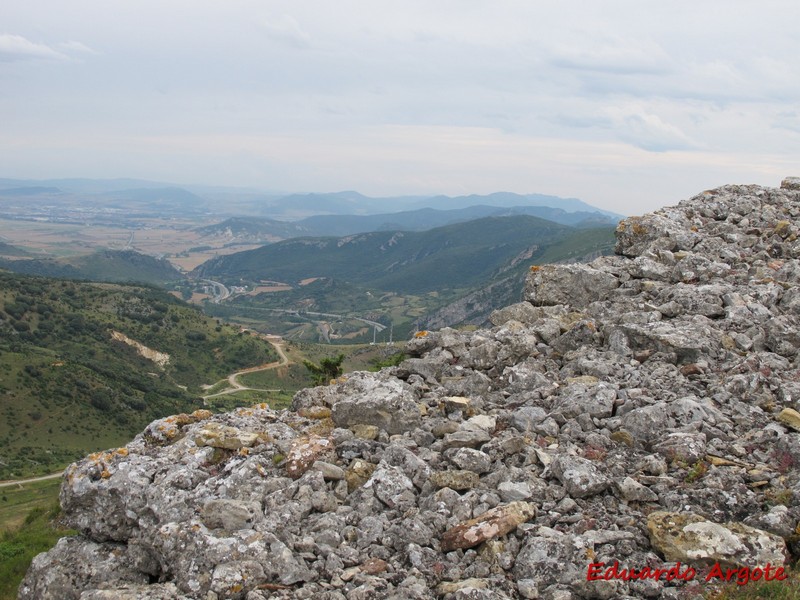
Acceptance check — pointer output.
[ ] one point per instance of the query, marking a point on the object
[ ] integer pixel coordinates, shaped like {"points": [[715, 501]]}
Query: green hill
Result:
{"points": [[254, 228], [70, 385], [462, 255], [107, 265], [339, 287]]}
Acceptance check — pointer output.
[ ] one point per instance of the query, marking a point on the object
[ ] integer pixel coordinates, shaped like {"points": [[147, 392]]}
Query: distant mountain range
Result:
{"points": [[352, 203], [254, 229], [169, 199]]}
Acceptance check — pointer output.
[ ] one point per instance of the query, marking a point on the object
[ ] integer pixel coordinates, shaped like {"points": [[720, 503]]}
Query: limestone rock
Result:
{"points": [[580, 476], [691, 538], [304, 452], [224, 513], [76, 564], [790, 417], [388, 406], [574, 285], [228, 438], [493, 523], [456, 480]]}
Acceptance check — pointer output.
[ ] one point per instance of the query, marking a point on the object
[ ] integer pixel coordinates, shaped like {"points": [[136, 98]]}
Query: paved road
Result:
{"points": [[220, 291], [31, 480]]}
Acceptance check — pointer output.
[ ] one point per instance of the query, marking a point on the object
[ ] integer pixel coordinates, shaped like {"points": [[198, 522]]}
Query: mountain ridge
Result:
{"points": [[396, 260], [106, 265]]}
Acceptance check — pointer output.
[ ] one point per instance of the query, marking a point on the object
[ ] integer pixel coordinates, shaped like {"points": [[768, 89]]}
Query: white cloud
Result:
{"points": [[287, 30], [648, 131], [611, 55], [76, 47], [15, 47]]}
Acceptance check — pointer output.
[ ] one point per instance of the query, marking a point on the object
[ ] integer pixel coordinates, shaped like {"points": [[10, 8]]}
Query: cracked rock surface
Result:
{"points": [[641, 409]]}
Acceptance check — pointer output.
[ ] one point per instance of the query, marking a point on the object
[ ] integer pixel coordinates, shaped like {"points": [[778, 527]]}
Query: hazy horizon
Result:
{"points": [[626, 105]]}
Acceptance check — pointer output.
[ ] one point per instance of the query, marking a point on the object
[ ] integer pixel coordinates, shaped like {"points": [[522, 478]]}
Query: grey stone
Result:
{"points": [[390, 406], [76, 564], [683, 447], [471, 460], [688, 537], [633, 491], [580, 476], [574, 285], [224, 513]]}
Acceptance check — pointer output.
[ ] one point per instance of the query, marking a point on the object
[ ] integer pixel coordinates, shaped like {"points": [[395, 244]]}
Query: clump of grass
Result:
{"points": [[38, 533], [698, 470], [788, 589]]}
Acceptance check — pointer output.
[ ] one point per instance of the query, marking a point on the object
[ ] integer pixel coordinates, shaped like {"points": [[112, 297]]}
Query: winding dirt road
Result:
{"points": [[235, 386], [30, 480], [276, 342]]}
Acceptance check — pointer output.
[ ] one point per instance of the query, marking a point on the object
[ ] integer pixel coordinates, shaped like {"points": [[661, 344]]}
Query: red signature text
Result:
{"points": [[740, 575]]}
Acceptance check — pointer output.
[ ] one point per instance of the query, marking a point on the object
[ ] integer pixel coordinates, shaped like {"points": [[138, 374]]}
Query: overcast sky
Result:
{"points": [[628, 105]]}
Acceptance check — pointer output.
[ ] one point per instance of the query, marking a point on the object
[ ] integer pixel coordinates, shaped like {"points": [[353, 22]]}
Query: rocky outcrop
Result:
{"points": [[632, 413], [160, 358]]}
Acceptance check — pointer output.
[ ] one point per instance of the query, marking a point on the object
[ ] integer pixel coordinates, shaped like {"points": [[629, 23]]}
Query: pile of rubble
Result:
{"points": [[628, 431]]}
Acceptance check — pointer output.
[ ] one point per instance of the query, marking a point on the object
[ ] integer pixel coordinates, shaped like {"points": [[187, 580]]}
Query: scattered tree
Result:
{"points": [[327, 369]]}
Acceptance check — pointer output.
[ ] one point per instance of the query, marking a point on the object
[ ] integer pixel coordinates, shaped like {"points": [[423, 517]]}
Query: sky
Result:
{"points": [[626, 104]]}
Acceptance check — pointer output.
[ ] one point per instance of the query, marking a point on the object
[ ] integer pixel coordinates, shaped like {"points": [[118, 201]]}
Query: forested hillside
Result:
{"points": [[84, 366]]}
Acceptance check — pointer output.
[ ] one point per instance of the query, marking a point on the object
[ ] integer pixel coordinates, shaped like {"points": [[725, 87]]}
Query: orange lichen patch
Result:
{"points": [[694, 228], [179, 420], [202, 414], [535, 268], [105, 474], [244, 452], [421, 334], [104, 457], [261, 406]]}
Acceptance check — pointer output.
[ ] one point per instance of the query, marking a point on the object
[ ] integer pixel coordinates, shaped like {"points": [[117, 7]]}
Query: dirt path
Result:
{"points": [[30, 480], [235, 386]]}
